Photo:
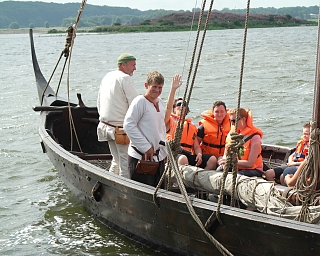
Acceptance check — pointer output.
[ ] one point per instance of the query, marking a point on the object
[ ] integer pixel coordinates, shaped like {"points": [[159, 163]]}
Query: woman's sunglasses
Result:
{"points": [[180, 103], [233, 121]]}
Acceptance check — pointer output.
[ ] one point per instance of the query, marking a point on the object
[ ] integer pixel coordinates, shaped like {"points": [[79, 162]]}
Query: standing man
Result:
{"points": [[144, 124], [117, 90]]}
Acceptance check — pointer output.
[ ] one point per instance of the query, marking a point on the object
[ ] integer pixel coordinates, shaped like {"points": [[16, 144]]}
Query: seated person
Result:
{"points": [[290, 179], [191, 151], [294, 160], [250, 163], [213, 129]]}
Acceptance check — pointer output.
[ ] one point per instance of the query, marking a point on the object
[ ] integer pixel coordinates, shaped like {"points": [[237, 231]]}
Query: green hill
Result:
{"points": [[18, 14], [38, 13]]}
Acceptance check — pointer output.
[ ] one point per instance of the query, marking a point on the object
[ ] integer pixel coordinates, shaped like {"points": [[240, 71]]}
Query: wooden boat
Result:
{"points": [[163, 222], [128, 206]]}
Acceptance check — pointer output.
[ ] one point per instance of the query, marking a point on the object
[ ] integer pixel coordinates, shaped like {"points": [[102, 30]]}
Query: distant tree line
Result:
{"points": [[218, 20], [296, 12], [40, 14], [18, 14]]}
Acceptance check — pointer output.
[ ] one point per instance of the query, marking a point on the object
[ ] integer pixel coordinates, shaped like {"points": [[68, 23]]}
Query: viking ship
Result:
{"points": [[189, 218]]}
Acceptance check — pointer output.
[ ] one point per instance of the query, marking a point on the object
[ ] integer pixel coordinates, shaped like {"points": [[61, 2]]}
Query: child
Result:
{"points": [[294, 160]]}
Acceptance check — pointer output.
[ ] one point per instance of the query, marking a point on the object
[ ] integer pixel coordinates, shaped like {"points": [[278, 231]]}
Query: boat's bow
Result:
{"points": [[44, 92]]}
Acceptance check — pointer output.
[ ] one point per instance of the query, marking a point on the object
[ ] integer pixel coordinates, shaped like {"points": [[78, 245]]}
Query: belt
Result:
{"points": [[155, 154], [111, 124]]}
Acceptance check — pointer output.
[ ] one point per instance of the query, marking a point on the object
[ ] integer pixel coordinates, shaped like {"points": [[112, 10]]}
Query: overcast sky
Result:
{"points": [[189, 4]]}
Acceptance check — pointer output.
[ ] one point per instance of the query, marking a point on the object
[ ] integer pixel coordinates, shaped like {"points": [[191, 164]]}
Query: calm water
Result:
{"points": [[38, 215]]}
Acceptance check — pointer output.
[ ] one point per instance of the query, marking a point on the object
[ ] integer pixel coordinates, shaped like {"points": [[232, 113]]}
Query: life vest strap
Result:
{"points": [[250, 137], [213, 145], [185, 145]]}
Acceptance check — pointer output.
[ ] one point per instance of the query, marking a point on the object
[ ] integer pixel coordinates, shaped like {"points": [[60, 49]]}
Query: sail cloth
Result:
{"points": [[255, 192]]}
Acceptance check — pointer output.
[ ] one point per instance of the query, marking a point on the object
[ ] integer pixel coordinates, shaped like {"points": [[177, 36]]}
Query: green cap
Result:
{"points": [[125, 57]]}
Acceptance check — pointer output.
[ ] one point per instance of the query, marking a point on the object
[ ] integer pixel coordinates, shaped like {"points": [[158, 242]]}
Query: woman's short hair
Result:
{"points": [[242, 112]]}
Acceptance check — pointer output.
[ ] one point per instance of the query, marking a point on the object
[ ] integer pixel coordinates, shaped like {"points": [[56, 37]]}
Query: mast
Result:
{"points": [[316, 109], [316, 99]]}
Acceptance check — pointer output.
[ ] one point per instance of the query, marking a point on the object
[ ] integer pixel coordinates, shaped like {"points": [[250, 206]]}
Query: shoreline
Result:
{"points": [[23, 31], [109, 30]]}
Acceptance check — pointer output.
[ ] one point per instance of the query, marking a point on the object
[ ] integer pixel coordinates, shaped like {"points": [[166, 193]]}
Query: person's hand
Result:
{"points": [[221, 161], [149, 154], [287, 178], [293, 164], [198, 159], [176, 82]]}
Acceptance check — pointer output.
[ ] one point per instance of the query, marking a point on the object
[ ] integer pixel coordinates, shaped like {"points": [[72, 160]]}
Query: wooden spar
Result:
{"points": [[316, 99], [316, 105], [316, 110]]}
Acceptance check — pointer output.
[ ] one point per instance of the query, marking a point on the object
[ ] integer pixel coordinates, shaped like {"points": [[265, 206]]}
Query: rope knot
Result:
{"points": [[175, 147], [236, 144], [69, 38]]}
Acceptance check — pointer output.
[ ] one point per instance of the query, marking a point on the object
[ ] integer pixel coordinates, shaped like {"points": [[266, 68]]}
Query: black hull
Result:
{"points": [[128, 206]]}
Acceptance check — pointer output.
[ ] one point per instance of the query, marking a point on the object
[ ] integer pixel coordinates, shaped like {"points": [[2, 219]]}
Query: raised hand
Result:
{"points": [[176, 82]]}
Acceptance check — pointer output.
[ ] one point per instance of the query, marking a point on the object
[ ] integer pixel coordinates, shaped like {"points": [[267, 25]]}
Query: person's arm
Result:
{"points": [[291, 179], [255, 150], [291, 162], [198, 151], [200, 133], [98, 103], [129, 89], [131, 120], [175, 84]]}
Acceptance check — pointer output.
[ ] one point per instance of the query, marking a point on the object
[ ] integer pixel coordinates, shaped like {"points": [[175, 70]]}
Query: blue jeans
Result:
{"points": [[250, 173], [289, 170]]}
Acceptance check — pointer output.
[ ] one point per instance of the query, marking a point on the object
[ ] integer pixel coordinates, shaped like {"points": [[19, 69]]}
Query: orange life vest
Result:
{"points": [[247, 132], [215, 135], [189, 133], [301, 151]]}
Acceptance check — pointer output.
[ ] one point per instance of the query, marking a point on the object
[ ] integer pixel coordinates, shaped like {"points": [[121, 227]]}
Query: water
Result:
{"points": [[38, 215]]}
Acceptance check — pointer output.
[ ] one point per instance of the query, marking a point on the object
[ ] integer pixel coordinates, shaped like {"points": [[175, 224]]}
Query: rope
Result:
{"points": [[233, 152], [67, 52], [192, 22], [307, 182], [219, 246], [306, 185], [173, 146], [69, 43], [179, 128], [231, 162]]}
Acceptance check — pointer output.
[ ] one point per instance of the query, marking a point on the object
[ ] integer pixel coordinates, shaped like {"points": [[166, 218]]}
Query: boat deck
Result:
{"points": [[101, 163]]}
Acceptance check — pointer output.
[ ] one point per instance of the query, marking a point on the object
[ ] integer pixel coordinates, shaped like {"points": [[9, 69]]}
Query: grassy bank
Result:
{"points": [[157, 27]]}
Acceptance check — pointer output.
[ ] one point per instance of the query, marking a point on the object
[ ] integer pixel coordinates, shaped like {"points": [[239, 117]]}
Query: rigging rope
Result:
{"points": [[191, 26], [307, 184], [70, 42], [168, 166], [67, 52], [236, 139], [194, 215], [175, 144]]}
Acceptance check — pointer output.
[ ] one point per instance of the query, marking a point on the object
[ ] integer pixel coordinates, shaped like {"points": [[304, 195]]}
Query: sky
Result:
{"points": [[189, 4]]}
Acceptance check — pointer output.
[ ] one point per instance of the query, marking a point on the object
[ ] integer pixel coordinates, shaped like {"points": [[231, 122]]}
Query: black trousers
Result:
{"points": [[148, 179]]}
